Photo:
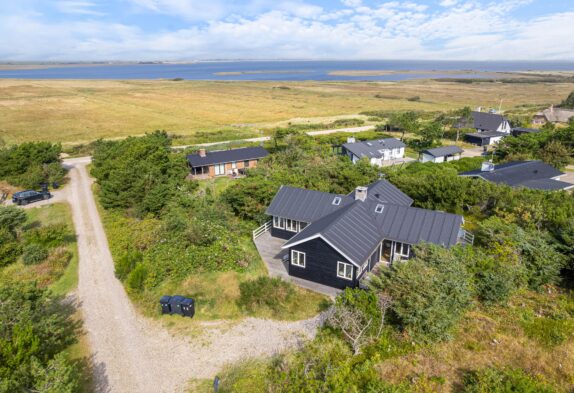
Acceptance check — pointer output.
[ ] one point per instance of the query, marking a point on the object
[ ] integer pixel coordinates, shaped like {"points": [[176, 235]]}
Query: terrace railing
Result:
{"points": [[465, 238], [262, 229]]}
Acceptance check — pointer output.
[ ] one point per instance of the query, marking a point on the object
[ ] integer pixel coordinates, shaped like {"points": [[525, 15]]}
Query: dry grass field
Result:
{"points": [[84, 110]]}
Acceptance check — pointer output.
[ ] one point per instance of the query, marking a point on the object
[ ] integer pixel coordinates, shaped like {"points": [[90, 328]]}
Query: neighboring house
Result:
{"points": [[224, 162], [336, 240], [530, 174], [377, 151], [521, 131], [553, 115], [441, 154], [490, 127]]}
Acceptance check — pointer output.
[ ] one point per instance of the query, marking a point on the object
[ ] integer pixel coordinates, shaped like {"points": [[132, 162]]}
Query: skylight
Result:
{"points": [[337, 201], [379, 208]]}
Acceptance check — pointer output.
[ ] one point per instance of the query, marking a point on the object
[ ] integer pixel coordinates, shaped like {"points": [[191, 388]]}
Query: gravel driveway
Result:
{"points": [[134, 354]]}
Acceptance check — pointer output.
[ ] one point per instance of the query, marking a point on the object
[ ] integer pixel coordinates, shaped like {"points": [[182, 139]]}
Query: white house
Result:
{"points": [[377, 151], [490, 127], [441, 154]]}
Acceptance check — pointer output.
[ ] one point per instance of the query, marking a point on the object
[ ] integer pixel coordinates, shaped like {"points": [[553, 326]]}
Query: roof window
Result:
{"points": [[379, 208], [337, 201]]}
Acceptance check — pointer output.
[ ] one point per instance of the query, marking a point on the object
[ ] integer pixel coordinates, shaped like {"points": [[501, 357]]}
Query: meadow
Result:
{"points": [[80, 111]]}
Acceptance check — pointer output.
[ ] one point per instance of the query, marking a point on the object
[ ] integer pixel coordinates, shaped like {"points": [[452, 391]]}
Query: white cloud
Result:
{"points": [[296, 29], [448, 3], [78, 7]]}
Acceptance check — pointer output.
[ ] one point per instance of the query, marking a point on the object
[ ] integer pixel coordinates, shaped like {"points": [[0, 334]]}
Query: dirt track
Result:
{"points": [[132, 354]]}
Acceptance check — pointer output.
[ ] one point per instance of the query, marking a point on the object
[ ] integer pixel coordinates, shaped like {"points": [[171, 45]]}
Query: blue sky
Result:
{"points": [[88, 30]]}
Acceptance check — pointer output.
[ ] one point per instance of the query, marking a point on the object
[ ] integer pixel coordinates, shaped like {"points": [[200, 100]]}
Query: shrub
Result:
{"points": [[34, 254], [11, 218], [137, 277], [265, 292], [30, 164], [126, 263], [49, 236], [492, 380], [430, 293], [10, 249]]}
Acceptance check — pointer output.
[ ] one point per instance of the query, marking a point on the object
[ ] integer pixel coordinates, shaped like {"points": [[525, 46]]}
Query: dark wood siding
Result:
{"points": [[282, 233], [321, 265], [477, 141]]}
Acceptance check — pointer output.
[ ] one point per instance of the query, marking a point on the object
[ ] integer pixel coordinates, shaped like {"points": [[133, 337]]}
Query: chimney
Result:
{"points": [[487, 166], [551, 108], [351, 139], [361, 194], [202, 153]]}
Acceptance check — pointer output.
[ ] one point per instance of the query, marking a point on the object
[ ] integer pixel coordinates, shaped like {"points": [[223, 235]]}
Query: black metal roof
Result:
{"points": [[530, 174], [443, 151], [356, 229], [487, 121], [225, 156], [372, 149], [303, 205], [308, 205]]}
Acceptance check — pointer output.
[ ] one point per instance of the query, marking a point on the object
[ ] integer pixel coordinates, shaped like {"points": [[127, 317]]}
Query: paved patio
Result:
{"points": [[270, 250]]}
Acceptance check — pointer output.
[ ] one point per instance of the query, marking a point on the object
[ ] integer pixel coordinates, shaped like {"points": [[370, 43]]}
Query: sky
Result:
{"points": [[185, 30]]}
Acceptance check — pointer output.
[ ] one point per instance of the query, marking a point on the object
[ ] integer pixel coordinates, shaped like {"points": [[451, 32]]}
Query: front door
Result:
{"points": [[219, 169], [387, 251]]}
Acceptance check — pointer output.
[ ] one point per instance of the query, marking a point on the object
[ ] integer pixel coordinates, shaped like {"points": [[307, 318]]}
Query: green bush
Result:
{"points": [[10, 249], [265, 292], [34, 254], [429, 293], [11, 218], [126, 263], [35, 329], [136, 278], [138, 173], [492, 380], [49, 236], [29, 164]]}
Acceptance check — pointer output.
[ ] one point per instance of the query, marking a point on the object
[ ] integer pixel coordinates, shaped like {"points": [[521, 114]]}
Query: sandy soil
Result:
{"points": [[134, 354]]}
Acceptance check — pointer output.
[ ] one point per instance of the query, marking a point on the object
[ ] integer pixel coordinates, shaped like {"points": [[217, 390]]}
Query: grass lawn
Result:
{"points": [[79, 111]]}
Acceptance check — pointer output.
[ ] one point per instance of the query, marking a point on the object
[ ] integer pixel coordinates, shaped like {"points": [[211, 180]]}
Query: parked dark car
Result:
{"points": [[28, 196]]}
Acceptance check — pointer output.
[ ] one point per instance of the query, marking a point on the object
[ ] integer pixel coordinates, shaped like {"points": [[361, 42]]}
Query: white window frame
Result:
{"points": [[278, 222], [402, 253], [233, 164], [337, 201], [379, 209], [346, 267], [291, 225], [296, 258], [219, 169]]}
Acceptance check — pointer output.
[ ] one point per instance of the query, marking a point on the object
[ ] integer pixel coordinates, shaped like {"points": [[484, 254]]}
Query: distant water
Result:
{"points": [[284, 70]]}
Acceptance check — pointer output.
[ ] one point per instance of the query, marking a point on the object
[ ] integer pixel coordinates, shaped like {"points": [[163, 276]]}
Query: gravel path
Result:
{"points": [[132, 354]]}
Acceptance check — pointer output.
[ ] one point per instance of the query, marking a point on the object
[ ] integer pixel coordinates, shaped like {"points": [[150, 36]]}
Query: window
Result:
{"points": [[345, 270], [402, 250], [234, 165], [297, 258], [246, 164], [337, 201], [291, 225], [279, 222], [379, 208], [219, 169]]}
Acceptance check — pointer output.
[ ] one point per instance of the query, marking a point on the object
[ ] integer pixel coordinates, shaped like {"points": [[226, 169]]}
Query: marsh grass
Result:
{"points": [[80, 111]]}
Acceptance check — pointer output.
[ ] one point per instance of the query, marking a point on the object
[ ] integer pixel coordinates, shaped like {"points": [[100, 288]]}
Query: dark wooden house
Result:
{"points": [[336, 239]]}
